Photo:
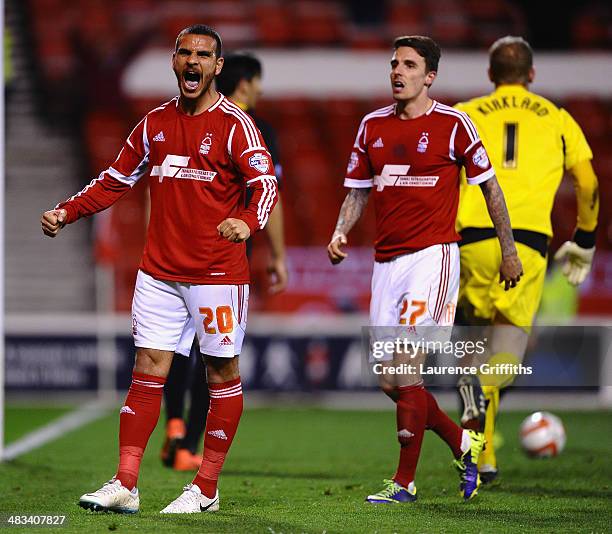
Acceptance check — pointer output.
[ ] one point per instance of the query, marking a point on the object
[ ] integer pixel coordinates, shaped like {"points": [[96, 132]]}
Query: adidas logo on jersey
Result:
{"points": [[159, 136], [378, 143], [226, 341], [218, 434], [127, 409]]}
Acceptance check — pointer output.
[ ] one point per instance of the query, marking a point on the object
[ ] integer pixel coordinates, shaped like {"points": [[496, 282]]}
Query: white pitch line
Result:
{"points": [[56, 429]]}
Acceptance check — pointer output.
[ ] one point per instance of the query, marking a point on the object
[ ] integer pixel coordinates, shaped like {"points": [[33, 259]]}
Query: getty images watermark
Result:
{"points": [[431, 351]]}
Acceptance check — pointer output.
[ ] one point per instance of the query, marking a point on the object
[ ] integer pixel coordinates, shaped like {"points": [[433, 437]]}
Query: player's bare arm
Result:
{"points": [[53, 221], [234, 230], [510, 270], [277, 266], [350, 212]]}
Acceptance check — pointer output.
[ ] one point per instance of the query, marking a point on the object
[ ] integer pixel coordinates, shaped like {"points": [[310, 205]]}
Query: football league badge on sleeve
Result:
{"points": [[260, 162], [353, 163], [480, 158]]}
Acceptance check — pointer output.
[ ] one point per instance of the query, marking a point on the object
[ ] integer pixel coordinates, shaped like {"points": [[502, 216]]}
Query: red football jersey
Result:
{"points": [[198, 167], [414, 167]]}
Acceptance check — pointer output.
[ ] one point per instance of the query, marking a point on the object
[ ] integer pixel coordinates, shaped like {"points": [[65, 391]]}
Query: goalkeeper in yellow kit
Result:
{"points": [[531, 142]]}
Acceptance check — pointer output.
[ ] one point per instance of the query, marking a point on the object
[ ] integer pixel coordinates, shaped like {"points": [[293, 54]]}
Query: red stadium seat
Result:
{"points": [[344, 117], [139, 107], [318, 22], [602, 163], [56, 58], [104, 137], [490, 20], [450, 24], [406, 17], [274, 23], [591, 114], [590, 29]]}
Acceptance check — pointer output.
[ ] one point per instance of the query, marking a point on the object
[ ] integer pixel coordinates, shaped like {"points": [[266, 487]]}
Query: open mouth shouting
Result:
{"points": [[191, 81], [397, 86]]}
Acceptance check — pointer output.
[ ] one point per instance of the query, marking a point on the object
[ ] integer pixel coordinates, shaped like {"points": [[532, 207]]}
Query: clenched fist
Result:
{"points": [[334, 249], [234, 230], [53, 221]]}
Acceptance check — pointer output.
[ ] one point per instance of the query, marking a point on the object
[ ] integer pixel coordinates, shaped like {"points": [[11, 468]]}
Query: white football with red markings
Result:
{"points": [[542, 435]]}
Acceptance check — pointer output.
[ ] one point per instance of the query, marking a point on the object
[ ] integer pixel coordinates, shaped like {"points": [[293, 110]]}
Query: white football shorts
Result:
{"points": [[167, 315], [414, 296]]}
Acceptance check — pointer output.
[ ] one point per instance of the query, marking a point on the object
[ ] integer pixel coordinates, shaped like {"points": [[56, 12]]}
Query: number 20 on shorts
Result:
{"points": [[224, 320]]}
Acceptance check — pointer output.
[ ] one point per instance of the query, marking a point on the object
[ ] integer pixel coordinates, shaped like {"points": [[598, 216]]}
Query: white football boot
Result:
{"points": [[192, 501], [111, 497]]}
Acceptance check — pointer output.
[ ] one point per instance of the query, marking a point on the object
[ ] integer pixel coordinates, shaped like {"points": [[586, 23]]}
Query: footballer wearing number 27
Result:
{"points": [[408, 156]]}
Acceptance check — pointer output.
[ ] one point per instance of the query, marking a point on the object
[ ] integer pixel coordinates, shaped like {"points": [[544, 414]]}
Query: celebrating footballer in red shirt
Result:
{"points": [[200, 152], [409, 156]]}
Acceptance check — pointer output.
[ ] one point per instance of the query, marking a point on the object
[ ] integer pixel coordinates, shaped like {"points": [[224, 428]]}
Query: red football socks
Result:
{"points": [[411, 410], [137, 419], [443, 425], [221, 425]]}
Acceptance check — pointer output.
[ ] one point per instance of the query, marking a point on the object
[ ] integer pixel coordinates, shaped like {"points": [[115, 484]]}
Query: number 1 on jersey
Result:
{"points": [[510, 145]]}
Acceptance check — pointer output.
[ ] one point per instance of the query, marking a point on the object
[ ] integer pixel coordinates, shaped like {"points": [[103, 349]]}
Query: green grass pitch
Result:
{"points": [[307, 471]]}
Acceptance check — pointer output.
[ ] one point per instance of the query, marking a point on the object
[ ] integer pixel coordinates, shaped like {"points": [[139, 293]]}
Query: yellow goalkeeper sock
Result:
{"points": [[503, 363], [487, 459], [501, 370]]}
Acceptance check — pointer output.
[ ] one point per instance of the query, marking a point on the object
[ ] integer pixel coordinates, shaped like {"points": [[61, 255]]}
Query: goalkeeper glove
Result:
{"points": [[576, 261]]}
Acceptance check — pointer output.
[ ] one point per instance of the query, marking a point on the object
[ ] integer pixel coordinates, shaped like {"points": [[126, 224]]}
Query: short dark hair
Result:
{"points": [[426, 47], [237, 66], [510, 60], [201, 29]]}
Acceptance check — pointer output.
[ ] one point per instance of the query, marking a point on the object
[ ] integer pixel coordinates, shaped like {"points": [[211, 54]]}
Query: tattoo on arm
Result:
{"points": [[352, 208], [496, 204]]}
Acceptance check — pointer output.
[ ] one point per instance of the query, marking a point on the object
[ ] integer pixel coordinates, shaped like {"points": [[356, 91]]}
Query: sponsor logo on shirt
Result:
{"points": [[260, 162], [397, 176], [480, 158], [206, 144], [423, 143], [176, 167]]}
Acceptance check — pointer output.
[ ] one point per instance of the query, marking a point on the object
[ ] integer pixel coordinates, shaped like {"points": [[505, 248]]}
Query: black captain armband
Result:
{"points": [[585, 239]]}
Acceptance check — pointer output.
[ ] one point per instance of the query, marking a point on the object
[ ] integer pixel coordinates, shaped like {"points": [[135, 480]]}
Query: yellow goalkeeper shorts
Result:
{"points": [[482, 297]]}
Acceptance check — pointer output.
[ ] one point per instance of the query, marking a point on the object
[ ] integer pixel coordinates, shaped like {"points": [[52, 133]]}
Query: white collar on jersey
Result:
{"points": [[211, 108]]}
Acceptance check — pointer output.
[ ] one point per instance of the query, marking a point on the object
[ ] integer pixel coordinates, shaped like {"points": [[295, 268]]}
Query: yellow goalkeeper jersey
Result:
{"points": [[530, 142]]}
